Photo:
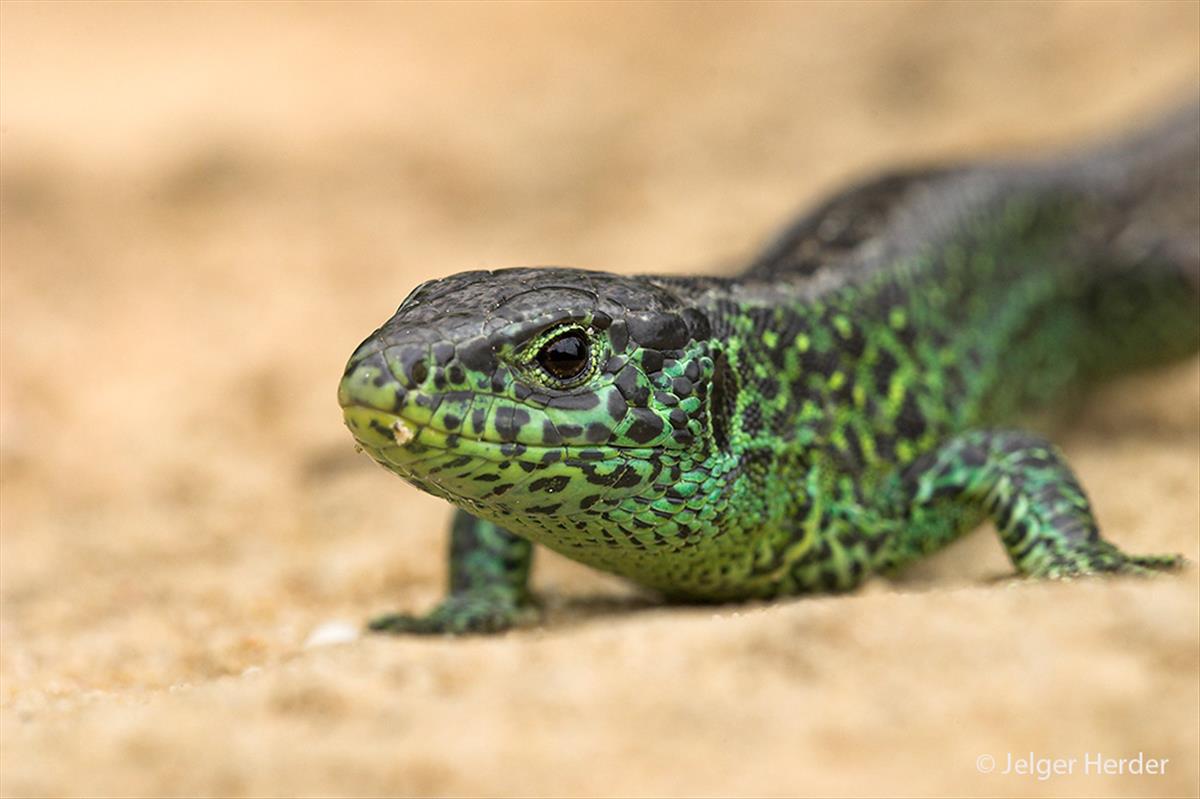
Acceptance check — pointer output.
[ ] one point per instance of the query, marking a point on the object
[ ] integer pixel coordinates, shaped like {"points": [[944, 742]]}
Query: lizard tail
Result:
{"points": [[1156, 176], [1145, 309]]}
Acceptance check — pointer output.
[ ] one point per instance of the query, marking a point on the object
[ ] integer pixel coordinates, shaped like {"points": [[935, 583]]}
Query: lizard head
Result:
{"points": [[562, 404]]}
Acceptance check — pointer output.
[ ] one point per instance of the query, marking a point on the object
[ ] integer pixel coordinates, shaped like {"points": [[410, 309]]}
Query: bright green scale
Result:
{"points": [[841, 408]]}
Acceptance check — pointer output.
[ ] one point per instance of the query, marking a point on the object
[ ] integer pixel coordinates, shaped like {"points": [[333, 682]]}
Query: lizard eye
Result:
{"points": [[564, 357]]}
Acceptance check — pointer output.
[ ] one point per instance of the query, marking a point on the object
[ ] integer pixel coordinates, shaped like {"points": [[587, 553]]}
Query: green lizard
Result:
{"points": [[838, 409]]}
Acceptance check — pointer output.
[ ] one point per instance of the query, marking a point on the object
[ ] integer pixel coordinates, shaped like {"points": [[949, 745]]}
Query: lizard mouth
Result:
{"points": [[484, 476], [471, 448], [400, 441]]}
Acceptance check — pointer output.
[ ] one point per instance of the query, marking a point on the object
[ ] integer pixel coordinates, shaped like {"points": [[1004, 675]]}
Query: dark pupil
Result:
{"points": [[564, 357]]}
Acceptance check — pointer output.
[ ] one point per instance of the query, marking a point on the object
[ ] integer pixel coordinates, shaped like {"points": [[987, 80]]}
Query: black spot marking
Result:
{"points": [[550, 435], [681, 386], [751, 419], [646, 426], [575, 402], [777, 355], [845, 392], [652, 361], [596, 433], [722, 403], [813, 362], [854, 450], [631, 389], [591, 475], [1004, 517], [550, 485], [882, 370], [616, 405], [509, 421], [628, 479], [910, 423], [618, 336], [477, 355], [570, 431], [854, 342]]}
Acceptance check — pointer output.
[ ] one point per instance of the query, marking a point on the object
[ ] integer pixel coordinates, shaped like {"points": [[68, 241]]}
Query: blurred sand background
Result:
{"points": [[205, 207]]}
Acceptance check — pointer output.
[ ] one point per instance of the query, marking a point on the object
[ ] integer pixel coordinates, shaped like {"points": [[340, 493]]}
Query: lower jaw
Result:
{"points": [[415, 453]]}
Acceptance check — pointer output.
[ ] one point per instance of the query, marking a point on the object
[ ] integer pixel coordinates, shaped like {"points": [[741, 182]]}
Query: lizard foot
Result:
{"points": [[1101, 557], [462, 614]]}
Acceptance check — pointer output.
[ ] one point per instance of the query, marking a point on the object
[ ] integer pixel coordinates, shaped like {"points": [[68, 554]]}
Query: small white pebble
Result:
{"points": [[402, 432], [251, 671], [330, 633]]}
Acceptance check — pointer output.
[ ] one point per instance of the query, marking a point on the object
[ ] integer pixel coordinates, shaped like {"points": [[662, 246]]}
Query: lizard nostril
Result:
{"points": [[410, 365], [419, 371]]}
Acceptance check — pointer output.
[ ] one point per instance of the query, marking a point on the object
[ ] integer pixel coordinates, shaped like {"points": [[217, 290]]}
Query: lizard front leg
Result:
{"points": [[488, 590], [1023, 484]]}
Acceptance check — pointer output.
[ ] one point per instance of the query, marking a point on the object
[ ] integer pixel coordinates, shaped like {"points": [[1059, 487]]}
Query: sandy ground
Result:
{"points": [[206, 207]]}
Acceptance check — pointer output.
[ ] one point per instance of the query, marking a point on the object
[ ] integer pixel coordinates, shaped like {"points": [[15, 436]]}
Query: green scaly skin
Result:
{"points": [[840, 408]]}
